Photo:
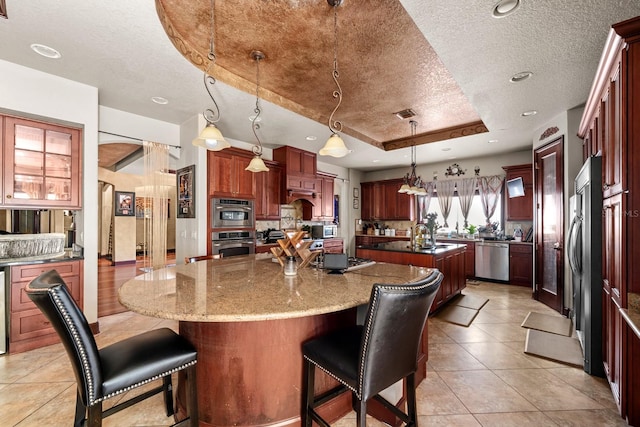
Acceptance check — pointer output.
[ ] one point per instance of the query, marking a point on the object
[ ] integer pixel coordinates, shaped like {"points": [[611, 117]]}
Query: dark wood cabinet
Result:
{"points": [[268, 188], [520, 208], [42, 164], [451, 263], [469, 255], [28, 328], [325, 211], [520, 264], [300, 170], [380, 201], [610, 127], [227, 176], [296, 161], [333, 246]]}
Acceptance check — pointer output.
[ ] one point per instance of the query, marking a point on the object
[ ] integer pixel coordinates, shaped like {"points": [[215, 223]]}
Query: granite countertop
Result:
{"points": [[632, 314], [253, 288], [404, 247], [8, 262]]}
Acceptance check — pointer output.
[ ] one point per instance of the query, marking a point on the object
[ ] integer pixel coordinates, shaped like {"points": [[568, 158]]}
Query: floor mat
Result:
{"points": [[469, 301], [459, 315], [473, 282], [546, 323], [553, 346]]}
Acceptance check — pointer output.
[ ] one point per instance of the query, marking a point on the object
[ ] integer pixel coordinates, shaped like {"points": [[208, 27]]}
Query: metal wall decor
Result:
{"points": [[455, 170]]}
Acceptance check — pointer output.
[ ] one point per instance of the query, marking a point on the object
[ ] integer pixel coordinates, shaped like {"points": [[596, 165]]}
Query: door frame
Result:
{"points": [[556, 302]]}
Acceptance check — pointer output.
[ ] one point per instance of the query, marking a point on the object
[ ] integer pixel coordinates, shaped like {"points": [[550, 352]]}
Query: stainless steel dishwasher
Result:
{"points": [[492, 261]]}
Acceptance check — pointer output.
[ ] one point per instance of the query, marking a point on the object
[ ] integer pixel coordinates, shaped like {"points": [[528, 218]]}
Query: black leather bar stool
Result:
{"points": [[117, 368], [369, 358]]}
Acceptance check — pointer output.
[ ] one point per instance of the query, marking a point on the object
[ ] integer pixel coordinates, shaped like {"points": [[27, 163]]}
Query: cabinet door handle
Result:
{"points": [[9, 196]]}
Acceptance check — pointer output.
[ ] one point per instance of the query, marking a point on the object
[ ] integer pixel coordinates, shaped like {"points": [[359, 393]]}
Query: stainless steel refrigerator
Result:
{"points": [[585, 258]]}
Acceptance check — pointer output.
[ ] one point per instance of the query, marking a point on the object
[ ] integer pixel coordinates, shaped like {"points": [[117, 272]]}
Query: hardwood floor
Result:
{"points": [[111, 277]]}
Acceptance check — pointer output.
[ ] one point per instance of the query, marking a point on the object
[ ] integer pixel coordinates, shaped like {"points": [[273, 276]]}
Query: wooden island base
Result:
{"points": [[250, 373]]}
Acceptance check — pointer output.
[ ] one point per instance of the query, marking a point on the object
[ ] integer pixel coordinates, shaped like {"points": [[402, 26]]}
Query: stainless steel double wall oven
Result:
{"points": [[233, 223]]}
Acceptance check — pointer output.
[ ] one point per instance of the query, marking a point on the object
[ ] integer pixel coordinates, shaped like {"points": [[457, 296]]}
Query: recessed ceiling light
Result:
{"points": [[311, 138], [446, 149], [252, 118], [492, 141], [46, 51], [518, 77], [529, 113], [505, 7], [375, 161], [159, 100]]}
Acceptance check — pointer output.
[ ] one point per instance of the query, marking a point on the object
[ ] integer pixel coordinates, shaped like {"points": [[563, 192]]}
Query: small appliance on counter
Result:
{"points": [[324, 231], [272, 235]]}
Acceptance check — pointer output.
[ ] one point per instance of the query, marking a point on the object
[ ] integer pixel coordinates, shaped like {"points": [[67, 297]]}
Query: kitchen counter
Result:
{"points": [[253, 288], [248, 321], [632, 314], [8, 262], [404, 247]]}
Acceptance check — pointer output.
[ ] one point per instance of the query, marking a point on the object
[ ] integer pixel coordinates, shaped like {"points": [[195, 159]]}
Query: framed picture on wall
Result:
{"points": [[186, 185], [356, 203], [125, 203]]}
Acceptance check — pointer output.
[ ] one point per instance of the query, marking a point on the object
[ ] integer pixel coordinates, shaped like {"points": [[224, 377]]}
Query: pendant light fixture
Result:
{"points": [[412, 184], [257, 164], [211, 138], [335, 145]]}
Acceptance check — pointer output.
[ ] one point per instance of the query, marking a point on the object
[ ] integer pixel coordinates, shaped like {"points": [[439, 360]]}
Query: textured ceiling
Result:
{"points": [[121, 48], [385, 64]]}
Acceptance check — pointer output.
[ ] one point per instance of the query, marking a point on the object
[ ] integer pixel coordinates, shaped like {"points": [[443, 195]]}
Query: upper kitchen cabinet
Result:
{"points": [[227, 175], [298, 162], [381, 201], [520, 208], [268, 186], [300, 171], [42, 165], [325, 211]]}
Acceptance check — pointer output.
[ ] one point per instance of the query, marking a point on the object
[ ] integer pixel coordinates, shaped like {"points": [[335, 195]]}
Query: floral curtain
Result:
{"points": [[466, 191], [445, 189], [425, 201], [490, 188]]}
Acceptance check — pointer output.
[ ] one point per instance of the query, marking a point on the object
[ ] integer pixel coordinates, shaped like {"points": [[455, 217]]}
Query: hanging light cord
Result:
{"points": [[335, 126], [211, 115], [257, 149]]}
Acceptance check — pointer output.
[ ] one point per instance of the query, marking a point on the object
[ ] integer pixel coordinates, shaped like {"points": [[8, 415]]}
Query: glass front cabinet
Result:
{"points": [[42, 164]]}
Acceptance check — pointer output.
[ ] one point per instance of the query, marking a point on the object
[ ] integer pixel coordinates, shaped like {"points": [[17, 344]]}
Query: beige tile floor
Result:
{"points": [[477, 376]]}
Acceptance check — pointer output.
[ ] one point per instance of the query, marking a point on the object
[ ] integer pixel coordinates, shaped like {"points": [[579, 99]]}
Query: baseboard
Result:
{"points": [[117, 263]]}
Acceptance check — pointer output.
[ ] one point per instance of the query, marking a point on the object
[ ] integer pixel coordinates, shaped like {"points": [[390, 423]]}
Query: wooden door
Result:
{"points": [[549, 211]]}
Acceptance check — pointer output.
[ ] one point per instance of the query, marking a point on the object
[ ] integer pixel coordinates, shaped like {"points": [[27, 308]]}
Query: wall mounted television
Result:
{"points": [[515, 187]]}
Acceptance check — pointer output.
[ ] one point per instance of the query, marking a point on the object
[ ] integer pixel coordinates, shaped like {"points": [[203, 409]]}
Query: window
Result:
{"points": [[476, 213]]}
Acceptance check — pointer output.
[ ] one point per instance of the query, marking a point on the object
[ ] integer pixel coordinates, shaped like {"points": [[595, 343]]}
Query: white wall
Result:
{"points": [[32, 93], [491, 165]]}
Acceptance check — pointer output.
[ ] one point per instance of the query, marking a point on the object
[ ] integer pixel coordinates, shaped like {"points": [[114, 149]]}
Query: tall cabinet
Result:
{"points": [[610, 127]]}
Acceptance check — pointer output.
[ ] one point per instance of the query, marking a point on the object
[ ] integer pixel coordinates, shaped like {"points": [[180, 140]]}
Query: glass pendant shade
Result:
{"points": [[404, 188], [211, 138], [334, 147], [257, 165]]}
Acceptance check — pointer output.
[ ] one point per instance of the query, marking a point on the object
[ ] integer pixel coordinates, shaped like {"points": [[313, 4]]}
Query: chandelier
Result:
{"points": [[412, 184], [257, 164], [211, 138], [335, 145]]}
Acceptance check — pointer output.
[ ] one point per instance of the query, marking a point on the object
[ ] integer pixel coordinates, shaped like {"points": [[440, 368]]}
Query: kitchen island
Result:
{"points": [[449, 258], [247, 320]]}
